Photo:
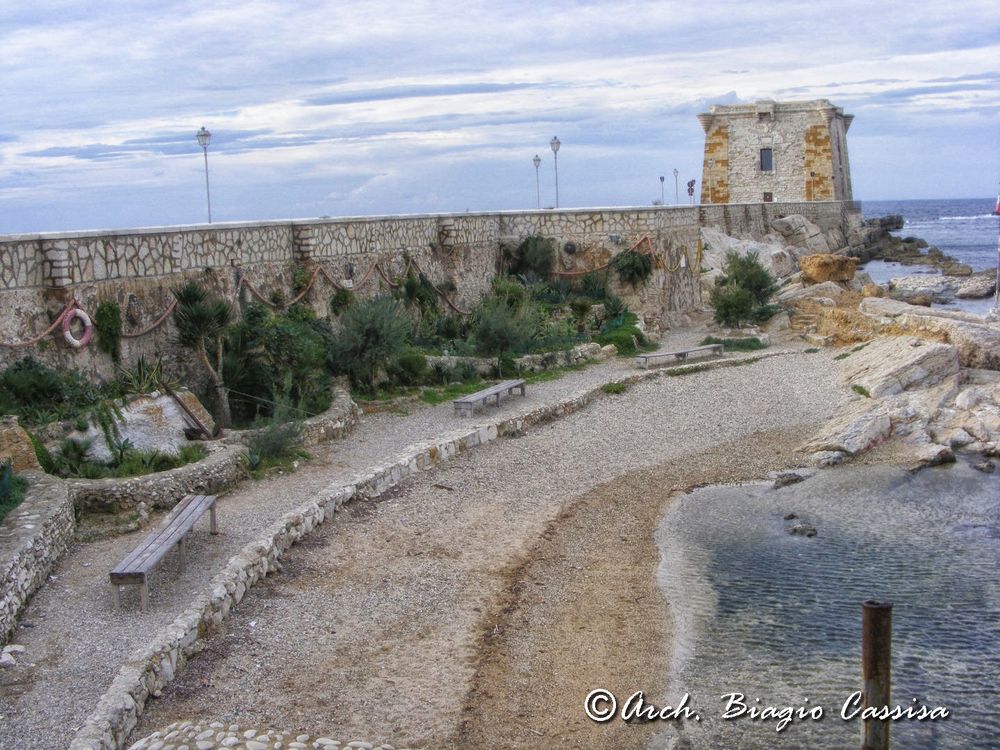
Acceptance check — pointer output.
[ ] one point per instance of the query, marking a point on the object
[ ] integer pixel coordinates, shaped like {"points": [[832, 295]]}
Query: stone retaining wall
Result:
{"points": [[150, 668], [40, 273], [32, 537]]}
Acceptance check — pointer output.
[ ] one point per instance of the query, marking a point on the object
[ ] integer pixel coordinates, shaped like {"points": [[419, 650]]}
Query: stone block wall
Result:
{"points": [[40, 274], [32, 537], [808, 145]]}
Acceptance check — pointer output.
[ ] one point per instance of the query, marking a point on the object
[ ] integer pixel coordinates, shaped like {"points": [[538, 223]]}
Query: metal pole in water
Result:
{"points": [[876, 668]]}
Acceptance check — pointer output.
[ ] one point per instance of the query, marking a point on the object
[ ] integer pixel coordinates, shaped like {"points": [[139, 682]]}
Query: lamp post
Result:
{"points": [[677, 191], [555, 144], [538, 190], [662, 178], [204, 138]]}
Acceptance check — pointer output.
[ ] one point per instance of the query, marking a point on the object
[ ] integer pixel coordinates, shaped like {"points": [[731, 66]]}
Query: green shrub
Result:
{"points": [[202, 321], [861, 390], [270, 357], [498, 329], [632, 267], [37, 395], [144, 377], [614, 388], [594, 285], [580, 307], [623, 332], [339, 301], [749, 344], [12, 488], [733, 305], [418, 291], [108, 325], [535, 255], [276, 441], [512, 293], [375, 332], [614, 307], [410, 368], [747, 272]]}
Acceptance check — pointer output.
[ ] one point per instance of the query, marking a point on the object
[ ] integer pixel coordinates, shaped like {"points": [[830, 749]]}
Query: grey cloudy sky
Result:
{"points": [[357, 108]]}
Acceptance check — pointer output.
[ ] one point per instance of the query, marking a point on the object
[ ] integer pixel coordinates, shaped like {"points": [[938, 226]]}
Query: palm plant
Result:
{"points": [[200, 318]]}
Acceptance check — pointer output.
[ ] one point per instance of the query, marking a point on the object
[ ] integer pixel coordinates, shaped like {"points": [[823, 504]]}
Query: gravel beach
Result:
{"points": [[476, 605]]}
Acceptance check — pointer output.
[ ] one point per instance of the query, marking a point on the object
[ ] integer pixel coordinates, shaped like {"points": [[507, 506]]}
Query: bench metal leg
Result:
{"points": [[144, 594], [115, 598], [215, 525], [498, 400]]}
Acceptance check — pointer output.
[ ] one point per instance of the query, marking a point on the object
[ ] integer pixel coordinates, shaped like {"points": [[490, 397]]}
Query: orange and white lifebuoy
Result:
{"points": [[88, 328]]}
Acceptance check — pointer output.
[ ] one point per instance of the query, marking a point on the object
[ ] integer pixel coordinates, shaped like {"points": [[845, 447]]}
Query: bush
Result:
{"points": [[614, 307], [580, 307], [339, 301], [594, 285], [614, 388], [509, 291], [499, 330], [632, 267], [12, 488], [273, 357], [276, 443], [108, 325], [733, 305], [750, 344], [375, 332], [535, 255], [72, 460], [143, 378], [38, 395], [623, 332], [418, 291], [410, 368]]}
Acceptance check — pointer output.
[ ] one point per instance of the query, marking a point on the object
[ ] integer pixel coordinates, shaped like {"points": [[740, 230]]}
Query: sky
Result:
{"points": [[368, 108]]}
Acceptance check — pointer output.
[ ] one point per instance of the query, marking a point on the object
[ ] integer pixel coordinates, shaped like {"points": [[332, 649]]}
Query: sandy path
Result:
{"points": [[478, 603], [75, 639]]}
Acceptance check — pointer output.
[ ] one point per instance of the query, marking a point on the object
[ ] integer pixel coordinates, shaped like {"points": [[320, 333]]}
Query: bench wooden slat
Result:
{"points": [[468, 403], [178, 522], [682, 354], [173, 530]]}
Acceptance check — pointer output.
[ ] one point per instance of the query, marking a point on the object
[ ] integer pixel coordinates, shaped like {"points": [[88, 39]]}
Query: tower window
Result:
{"points": [[766, 160]]}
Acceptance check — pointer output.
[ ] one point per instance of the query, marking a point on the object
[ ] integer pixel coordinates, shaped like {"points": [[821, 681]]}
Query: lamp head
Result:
{"points": [[204, 137], [555, 144]]}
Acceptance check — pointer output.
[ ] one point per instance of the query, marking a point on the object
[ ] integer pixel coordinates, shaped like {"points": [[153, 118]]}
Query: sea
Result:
{"points": [[776, 618], [965, 229]]}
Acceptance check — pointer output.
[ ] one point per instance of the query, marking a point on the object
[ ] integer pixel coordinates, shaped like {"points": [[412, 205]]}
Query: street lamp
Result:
{"points": [[538, 191], [677, 191], [204, 138], [554, 143], [662, 178]]}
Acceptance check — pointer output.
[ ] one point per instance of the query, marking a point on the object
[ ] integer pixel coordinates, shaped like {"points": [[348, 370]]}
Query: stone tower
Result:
{"points": [[775, 151]]}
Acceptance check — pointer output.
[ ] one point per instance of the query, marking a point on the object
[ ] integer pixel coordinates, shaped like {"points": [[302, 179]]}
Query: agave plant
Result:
{"points": [[201, 318]]}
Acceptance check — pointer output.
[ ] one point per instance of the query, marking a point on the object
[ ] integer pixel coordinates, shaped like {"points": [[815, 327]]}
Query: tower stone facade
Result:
{"points": [[775, 151]]}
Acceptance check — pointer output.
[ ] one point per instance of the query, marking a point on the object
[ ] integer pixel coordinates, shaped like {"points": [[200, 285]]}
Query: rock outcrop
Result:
{"points": [[16, 446], [893, 365], [826, 267]]}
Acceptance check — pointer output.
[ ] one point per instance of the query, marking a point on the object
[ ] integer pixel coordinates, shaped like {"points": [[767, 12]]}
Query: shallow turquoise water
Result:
{"points": [[778, 617]]}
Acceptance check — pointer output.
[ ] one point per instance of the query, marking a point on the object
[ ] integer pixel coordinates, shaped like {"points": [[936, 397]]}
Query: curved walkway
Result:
{"points": [[74, 638], [474, 605]]}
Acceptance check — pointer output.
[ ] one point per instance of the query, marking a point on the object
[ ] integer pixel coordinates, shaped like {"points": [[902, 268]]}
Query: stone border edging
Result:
{"points": [[42, 527], [150, 668]]}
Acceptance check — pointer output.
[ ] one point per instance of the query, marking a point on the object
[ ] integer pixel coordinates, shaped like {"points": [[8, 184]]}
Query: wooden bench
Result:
{"points": [[467, 404], [645, 360], [139, 563]]}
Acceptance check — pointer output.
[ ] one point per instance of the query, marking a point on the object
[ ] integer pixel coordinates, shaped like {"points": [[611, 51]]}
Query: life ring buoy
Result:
{"points": [[88, 328]]}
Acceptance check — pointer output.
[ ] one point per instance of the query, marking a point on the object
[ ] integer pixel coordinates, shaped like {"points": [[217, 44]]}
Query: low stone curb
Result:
{"points": [[149, 669], [37, 531], [217, 736]]}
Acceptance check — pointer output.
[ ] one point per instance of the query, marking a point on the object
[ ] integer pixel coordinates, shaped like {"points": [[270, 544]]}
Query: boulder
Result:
{"points": [[150, 422], [860, 280], [872, 290], [936, 288], [826, 267], [798, 231], [773, 255], [16, 445], [888, 366], [828, 289], [862, 424], [977, 286]]}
